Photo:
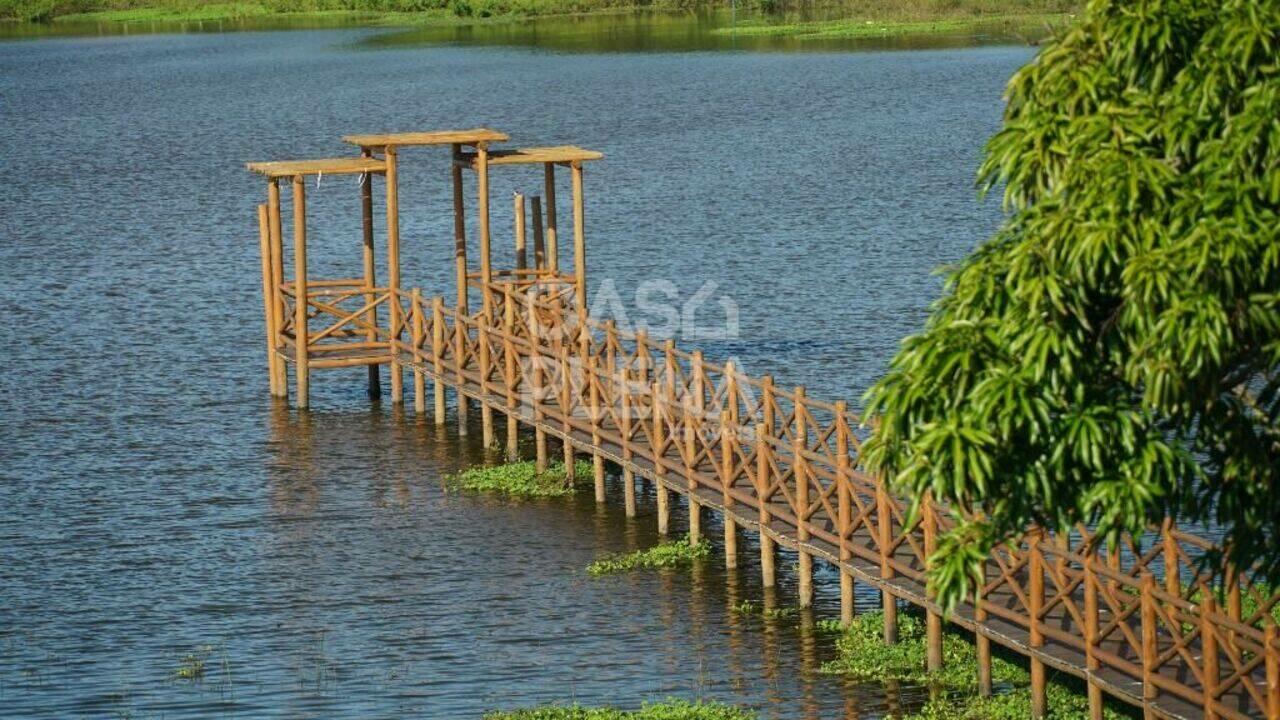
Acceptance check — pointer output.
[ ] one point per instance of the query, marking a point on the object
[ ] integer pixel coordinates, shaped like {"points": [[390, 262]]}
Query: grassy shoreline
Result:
{"points": [[762, 18]]}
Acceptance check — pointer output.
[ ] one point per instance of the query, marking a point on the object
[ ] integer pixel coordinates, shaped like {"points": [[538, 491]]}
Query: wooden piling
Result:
{"points": [[566, 407], [277, 275], [370, 272], [535, 385], [522, 256], [593, 395], [484, 362], [579, 236], [764, 479], [393, 271], [539, 246], [549, 189], [301, 370], [884, 540], [268, 297], [693, 416], [628, 477]]}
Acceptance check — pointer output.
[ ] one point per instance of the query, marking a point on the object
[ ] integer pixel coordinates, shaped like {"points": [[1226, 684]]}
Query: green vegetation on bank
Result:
{"points": [[669, 710], [521, 479], [1033, 24], [668, 554], [863, 654], [828, 18]]}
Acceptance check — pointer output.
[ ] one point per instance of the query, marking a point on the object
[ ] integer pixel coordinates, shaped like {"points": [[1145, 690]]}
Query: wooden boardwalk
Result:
{"points": [[1135, 622], [775, 462]]}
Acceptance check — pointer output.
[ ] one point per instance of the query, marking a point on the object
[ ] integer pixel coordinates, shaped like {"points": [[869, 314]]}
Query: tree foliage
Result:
{"points": [[1112, 355]]}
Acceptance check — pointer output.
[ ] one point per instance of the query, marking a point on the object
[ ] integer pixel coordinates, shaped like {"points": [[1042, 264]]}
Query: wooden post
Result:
{"points": [[844, 498], [1272, 650], [437, 355], [549, 181], [628, 477], [393, 271], [1209, 651], [1172, 576], [659, 441], [486, 258], [459, 233], [277, 275], [800, 466], [419, 377], [764, 479], [1149, 648], [981, 640], [579, 236], [539, 247], [483, 337], [509, 355], [370, 271], [566, 411], [522, 256], [301, 371], [933, 620], [597, 460], [692, 426], [1035, 603], [268, 297], [1091, 633], [726, 470], [884, 526], [535, 372]]}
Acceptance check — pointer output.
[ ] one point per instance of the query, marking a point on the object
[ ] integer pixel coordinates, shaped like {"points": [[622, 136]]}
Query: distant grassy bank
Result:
{"points": [[824, 18]]}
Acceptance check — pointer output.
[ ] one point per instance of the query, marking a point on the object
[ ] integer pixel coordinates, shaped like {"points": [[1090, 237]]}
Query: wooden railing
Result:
{"points": [[1138, 622]]}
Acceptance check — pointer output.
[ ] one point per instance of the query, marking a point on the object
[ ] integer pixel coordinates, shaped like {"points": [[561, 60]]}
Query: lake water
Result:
{"points": [[154, 503]]}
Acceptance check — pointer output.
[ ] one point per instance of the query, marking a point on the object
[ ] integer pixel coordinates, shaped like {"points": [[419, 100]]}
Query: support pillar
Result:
{"points": [[370, 272], [301, 359], [393, 271]]}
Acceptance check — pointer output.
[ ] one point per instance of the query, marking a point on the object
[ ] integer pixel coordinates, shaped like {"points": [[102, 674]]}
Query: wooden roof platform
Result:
{"points": [[437, 137], [329, 166], [561, 154]]}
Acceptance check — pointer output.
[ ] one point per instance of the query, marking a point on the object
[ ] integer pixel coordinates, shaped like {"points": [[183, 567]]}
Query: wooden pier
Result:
{"points": [[1135, 622]]}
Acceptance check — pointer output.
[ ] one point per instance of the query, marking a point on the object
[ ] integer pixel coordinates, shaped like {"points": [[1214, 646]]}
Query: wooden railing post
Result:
{"points": [[981, 640], [1035, 606], [764, 479], [628, 477], [277, 280], [597, 460], [1172, 576], [844, 496], [302, 369], [800, 470], [437, 355], [1091, 633], [726, 467], [1149, 648], [659, 443], [486, 410], [933, 619], [535, 385], [1272, 643], [566, 414], [510, 368], [884, 526], [1209, 651], [692, 427], [418, 329], [728, 436]]}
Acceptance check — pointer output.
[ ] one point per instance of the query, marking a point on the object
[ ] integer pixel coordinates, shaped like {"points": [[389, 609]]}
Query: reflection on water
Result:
{"points": [[640, 31], [154, 502]]}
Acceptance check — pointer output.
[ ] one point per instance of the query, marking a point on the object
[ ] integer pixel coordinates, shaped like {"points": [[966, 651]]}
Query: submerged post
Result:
{"points": [[393, 272], [301, 369], [370, 272]]}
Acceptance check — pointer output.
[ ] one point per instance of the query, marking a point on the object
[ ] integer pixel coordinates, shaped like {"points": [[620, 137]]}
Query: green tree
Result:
{"points": [[1112, 355]]}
